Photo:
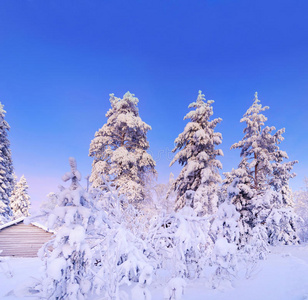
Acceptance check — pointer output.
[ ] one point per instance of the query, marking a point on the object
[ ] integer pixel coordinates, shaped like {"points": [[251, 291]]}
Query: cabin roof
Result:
{"points": [[8, 224], [22, 240]]}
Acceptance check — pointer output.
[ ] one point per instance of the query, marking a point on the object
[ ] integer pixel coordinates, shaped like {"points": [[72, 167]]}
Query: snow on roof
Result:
{"points": [[42, 227], [8, 224], [21, 219]]}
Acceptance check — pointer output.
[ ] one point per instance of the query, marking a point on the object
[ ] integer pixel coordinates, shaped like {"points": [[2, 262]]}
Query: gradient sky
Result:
{"points": [[60, 60]]}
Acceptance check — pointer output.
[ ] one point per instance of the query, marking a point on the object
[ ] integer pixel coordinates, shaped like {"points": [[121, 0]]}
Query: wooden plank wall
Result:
{"points": [[22, 240]]}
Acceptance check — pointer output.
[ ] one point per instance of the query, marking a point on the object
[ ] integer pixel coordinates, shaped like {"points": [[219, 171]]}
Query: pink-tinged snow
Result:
{"points": [[283, 276]]}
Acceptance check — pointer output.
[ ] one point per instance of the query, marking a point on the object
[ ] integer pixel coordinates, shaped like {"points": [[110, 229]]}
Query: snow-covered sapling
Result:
{"points": [[121, 255], [225, 230], [181, 242], [20, 199], [68, 256], [175, 289]]}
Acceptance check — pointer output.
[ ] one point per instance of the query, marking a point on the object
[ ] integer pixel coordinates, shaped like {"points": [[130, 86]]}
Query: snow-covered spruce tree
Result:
{"points": [[263, 177], [67, 267], [120, 148], [20, 199], [197, 154], [6, 170]]}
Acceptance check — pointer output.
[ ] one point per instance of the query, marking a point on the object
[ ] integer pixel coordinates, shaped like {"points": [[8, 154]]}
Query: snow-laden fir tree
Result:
{"points": [[197, 154], [263, 178], [120, 149], [20, 199], [68, 266], [6, 170]]}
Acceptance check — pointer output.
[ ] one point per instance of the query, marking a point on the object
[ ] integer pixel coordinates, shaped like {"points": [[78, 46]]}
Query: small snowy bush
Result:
{"points": [[175, 289], [68, 256], [122, 258], [225, 230], [181, 242]]}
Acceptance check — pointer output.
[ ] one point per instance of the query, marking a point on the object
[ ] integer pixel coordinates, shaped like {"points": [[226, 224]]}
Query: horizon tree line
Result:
{"points": [[119, 151]]}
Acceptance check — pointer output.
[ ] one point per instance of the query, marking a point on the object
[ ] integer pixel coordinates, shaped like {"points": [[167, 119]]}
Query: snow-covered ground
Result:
{"points": [[283, 276]]}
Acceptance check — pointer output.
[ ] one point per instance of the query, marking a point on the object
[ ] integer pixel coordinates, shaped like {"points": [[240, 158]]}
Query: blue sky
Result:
{"points": [[60, 60]]}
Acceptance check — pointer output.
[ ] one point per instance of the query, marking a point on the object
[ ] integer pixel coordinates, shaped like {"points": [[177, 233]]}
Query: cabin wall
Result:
{"points": [[22, 240]]}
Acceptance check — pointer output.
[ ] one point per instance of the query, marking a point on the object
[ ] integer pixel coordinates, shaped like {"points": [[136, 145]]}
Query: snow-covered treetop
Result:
{"points": [[203, 109], [253, 117], [2, 111], [199, 132], [254, 121], [128, 103], [122, 128], [124, 116], [74, 174]]}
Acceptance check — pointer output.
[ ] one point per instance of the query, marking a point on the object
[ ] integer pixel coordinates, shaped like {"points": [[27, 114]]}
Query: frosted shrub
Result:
{"points": [[68, 256], [281, 225], [175, 289], [122, 258], [224, 261], [301, 208], [225, 230], [181, 242], [141, 291]]}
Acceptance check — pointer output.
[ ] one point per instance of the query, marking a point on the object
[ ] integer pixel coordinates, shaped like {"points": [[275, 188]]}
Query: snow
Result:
{"points": [[55, 269], [282, 276], [222, 247], [8, 224], [77, 235], [42, 227]]}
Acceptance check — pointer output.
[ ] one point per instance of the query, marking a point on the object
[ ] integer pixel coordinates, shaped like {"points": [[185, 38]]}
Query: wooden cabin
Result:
{"points": [[20, 240]]}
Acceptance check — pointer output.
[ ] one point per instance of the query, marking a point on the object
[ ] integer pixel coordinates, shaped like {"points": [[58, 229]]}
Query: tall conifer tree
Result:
{"points": [[264, 197], [6, 170], [120, 149], [199, 178]]}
